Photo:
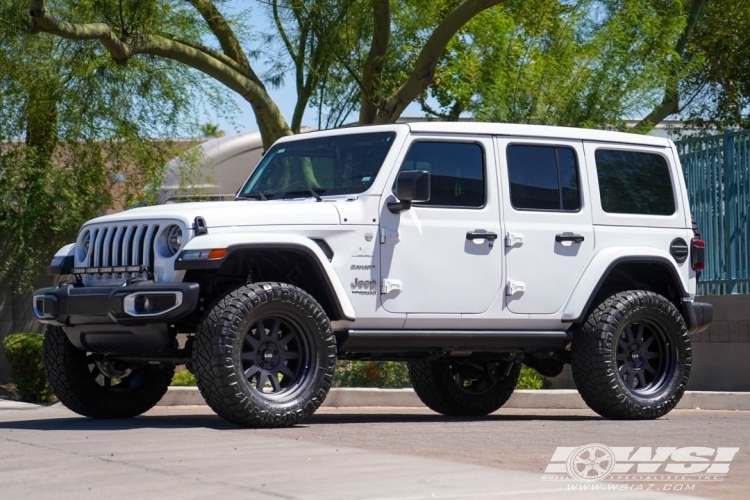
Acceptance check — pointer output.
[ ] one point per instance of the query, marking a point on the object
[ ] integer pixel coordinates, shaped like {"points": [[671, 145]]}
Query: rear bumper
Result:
{"points": [[71, 305], [698, 315]]}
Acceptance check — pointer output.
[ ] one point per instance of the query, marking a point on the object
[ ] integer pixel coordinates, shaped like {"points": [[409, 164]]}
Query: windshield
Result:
{"points": [[343, 164]]}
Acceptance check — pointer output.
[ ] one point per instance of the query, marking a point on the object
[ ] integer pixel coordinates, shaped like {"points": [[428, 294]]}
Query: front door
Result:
{"points": [[434, 258], [548, 220]]}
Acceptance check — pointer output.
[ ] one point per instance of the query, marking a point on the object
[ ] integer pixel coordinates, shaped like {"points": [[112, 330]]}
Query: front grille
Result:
{"points": [[122, 245]]}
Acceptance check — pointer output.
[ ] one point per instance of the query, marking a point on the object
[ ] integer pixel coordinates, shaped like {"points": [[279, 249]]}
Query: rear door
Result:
{"points": [[549, 235]]}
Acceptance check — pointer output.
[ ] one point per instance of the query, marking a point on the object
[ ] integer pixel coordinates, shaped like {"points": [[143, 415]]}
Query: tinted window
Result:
{"points": [[634, 183], [456, 172], [543, 178]]}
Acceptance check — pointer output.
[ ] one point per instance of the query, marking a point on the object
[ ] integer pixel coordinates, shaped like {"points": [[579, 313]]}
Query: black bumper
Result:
{"points": [[71, 305], [698, 315]]}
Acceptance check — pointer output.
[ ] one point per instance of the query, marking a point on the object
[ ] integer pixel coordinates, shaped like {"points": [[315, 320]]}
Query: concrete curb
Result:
{"points": [[560, 399]]}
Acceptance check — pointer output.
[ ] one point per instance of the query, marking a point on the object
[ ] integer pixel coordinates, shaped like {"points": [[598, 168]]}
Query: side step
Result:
{"points": [[366, 341]]}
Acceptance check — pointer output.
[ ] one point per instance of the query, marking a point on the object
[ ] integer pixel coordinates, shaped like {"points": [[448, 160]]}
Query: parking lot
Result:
{"points": [[400, 453]]}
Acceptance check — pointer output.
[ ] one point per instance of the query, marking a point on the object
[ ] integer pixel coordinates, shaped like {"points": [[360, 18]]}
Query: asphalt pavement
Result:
{"points": [[354, 453]]}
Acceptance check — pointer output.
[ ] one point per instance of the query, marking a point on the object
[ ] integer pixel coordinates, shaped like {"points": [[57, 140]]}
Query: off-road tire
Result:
{"points": [[602, 383], [72, 376], [221, 349], [436, 385]]}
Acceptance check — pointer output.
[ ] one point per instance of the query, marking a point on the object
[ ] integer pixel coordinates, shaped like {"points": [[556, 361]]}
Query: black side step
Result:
{"points": [[366, 341]]}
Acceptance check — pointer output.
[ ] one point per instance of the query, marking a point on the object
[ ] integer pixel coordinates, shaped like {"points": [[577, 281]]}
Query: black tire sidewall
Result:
{"points": [[74, 386]]}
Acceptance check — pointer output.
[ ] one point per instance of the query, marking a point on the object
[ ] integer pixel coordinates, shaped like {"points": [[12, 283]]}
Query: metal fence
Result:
{"points": [[717, 170]]}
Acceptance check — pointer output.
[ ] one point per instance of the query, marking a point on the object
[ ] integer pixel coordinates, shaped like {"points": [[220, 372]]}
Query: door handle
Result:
{"points": [[575, 238], [473, 235]]}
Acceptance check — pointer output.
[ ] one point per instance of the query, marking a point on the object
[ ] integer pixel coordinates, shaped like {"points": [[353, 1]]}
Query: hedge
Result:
{"points": [[24, 354]]}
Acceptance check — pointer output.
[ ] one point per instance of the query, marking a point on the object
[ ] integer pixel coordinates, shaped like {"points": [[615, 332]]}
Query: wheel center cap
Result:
{"points": [[268, 355]]}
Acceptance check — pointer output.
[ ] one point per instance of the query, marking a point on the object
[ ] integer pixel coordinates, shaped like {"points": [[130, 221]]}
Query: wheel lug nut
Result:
{"points": [[262, 365], [275, 352]]}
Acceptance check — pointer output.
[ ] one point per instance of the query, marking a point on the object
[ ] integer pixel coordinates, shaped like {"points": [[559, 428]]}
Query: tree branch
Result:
{"points": [[224, 33], [424, 69], [372, 72], [270, 120], [670, 104]]}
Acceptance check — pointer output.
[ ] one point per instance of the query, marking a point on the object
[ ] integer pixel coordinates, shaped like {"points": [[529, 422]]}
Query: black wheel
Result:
{"points": [[265, 356], [631, 359], [92, 386], [464, 388]]}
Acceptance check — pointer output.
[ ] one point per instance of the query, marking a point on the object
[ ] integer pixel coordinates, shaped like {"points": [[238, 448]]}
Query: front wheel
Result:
{"points": [[631, 359], [95, 387], [265, 356], [464, 388]]}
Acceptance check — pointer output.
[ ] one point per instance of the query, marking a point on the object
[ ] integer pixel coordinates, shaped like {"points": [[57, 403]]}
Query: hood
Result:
{"points": [[296, 211]]}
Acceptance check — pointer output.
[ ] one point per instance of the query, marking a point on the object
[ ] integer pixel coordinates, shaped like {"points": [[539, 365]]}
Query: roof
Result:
{"points": [[541, 131]]}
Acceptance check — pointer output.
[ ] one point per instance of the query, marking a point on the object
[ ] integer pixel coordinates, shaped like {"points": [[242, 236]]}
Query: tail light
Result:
{"points": [[697, 254]]}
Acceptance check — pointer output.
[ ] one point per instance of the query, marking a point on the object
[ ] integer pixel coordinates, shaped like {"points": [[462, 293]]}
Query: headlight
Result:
{"points": [[85, 245], [172, 238]]}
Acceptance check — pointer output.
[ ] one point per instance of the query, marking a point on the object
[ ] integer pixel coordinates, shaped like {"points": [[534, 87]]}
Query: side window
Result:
{"points": [[456, 172], [543, 178], [632, 182]]}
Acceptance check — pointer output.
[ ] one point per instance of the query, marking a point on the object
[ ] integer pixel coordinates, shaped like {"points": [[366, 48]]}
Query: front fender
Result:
{"points": [[265, 241], [599, 268]]}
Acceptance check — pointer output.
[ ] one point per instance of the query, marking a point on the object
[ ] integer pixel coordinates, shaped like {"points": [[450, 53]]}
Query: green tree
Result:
{"points": [[73, 124], [132, 29]]}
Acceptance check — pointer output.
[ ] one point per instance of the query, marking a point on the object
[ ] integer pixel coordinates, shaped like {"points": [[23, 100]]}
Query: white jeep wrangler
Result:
{"points": [[465, 249]]}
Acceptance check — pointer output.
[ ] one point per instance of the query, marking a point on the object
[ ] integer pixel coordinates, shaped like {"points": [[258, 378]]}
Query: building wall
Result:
{"points": [[721, 354]]}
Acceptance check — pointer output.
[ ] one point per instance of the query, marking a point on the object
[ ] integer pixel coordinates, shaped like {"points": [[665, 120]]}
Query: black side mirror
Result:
{"points": [[411, 185]]}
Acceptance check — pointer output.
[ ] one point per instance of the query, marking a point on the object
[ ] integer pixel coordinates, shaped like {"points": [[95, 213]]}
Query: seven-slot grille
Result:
{"points": [[122, 245]]}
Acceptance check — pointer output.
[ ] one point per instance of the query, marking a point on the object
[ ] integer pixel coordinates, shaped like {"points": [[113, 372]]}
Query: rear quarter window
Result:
{"points": [[634, 182]]}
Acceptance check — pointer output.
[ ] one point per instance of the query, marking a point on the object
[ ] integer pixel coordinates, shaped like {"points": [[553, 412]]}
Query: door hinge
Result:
{"points": [[390, 286], [514, 287], [513, 239], [388, 236]]}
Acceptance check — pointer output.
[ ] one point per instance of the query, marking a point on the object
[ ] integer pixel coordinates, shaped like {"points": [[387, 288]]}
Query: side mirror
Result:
{"points": [[411, 185]]}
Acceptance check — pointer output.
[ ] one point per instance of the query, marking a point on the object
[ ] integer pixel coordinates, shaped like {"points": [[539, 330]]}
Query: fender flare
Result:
{"points": [[575, 309], [239, 242]]}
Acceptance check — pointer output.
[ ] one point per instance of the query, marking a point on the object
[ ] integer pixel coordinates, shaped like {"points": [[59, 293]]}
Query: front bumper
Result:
{"points": [[698, 315], [74, 305]]}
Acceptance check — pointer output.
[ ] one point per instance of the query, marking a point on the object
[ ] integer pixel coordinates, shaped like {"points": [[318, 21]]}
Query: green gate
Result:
{"points": [[717, 170]]}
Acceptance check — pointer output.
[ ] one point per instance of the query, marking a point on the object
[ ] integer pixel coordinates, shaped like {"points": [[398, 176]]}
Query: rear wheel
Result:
{"points": [[265, 356], [95, 387], [464, 388], [631, 359]]}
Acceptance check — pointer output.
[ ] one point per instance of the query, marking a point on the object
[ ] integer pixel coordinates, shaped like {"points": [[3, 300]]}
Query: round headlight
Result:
{"points": [[174, 239], [85, 245]]}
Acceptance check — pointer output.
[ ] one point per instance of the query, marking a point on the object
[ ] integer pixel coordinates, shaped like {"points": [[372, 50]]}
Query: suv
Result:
{"points": [[465, 249]]}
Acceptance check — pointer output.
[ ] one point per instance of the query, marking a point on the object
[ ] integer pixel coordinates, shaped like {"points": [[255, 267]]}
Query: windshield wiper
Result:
{"points": [[314, 192], [262, 195]]}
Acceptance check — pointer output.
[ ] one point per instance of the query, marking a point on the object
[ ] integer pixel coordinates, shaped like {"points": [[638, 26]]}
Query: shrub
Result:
{"points": [[380, 374], [24, 354], [183, 379], [532, 379]]}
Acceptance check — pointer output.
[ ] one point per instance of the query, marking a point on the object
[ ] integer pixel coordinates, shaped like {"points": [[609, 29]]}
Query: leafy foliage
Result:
{"points": [[380, 374], [75, 123], [24, 354], [532, 379], [183, 379]]}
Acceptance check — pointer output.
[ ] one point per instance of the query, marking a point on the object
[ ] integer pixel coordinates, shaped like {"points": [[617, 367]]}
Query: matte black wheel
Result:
{"points": [[92, 386], [265, 356], [464, 388], [631, 359]]}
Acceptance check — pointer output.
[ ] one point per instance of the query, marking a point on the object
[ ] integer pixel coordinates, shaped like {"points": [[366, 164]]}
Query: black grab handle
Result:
{"points": [[575, 238], [471, 235]]}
